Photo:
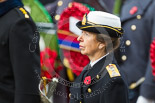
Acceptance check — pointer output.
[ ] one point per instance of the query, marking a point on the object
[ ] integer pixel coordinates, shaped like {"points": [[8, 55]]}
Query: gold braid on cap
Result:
{"points": [[117, 29], [84, 21]]}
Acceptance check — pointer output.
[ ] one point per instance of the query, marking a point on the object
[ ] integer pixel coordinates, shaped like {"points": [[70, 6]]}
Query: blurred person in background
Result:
{"points": [[138, 21], [19, 55]]}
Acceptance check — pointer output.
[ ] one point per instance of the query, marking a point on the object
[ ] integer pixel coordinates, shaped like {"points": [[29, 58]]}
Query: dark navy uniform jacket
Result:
{"points": [[104, 87], [19, 58], [138, 21]]}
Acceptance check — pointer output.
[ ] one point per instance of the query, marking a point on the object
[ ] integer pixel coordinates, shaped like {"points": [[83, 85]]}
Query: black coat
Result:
{"points": [[139, 30], [104, 89], [19, 58]]}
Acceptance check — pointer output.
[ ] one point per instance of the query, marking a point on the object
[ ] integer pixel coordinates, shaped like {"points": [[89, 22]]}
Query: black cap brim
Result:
{"points": [[101, 29]]}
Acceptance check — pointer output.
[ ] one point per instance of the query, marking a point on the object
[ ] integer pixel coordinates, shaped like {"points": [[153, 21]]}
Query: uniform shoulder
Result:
{"points": [[113, 71], [22, 13], [17, 14], [21, 17], [14, 15]]}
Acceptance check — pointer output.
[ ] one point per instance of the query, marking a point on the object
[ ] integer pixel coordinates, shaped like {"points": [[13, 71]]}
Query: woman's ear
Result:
{"points": [[2, 1], [101, 45]]}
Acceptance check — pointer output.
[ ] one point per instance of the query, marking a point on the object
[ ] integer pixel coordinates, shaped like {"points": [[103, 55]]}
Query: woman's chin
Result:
{"points": [[83, 53]]}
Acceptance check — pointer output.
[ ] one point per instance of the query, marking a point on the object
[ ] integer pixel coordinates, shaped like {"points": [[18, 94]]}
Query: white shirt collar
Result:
{"points": [[93, 63]]}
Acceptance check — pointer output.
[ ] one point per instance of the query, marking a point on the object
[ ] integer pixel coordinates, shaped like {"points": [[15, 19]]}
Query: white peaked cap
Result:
{"points": [[104, 18], [101, 22]]}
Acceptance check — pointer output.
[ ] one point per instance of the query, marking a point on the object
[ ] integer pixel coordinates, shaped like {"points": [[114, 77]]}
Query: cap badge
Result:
{"points": [[84, 20]]}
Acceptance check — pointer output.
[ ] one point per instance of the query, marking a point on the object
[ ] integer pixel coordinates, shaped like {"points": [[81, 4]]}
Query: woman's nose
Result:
{"points": [[79, 38]]}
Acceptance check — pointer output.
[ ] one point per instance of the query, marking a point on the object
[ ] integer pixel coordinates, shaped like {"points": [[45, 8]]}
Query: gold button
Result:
{"points": [[60, 3], [70, 5], [124, 57], [80, 102], [69, 95], [128, 42], [57, 17], [97, 76], [89, 90], [133, 27], [139, 17]]}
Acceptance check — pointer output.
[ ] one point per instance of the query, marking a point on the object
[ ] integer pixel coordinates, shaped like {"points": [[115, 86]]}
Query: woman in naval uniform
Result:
{"points": [[101, 80]]}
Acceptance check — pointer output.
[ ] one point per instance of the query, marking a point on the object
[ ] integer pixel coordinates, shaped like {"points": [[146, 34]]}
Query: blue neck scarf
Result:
{"points": [[8, 5]]}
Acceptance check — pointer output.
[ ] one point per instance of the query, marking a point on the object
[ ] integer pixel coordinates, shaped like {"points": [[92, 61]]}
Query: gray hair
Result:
{"points": [[111, 43]]}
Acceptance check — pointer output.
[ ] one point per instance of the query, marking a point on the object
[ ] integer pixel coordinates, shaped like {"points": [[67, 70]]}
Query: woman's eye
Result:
{"points": [[86, 33]]}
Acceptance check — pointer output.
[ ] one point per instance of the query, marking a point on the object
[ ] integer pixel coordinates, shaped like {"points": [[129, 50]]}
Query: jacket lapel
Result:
{"points": [[98, 67], [76, 89]]}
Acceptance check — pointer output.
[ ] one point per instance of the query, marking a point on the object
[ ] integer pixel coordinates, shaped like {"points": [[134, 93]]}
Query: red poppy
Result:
{"points": [[152, 55], [133, 10], [87, 80]]}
